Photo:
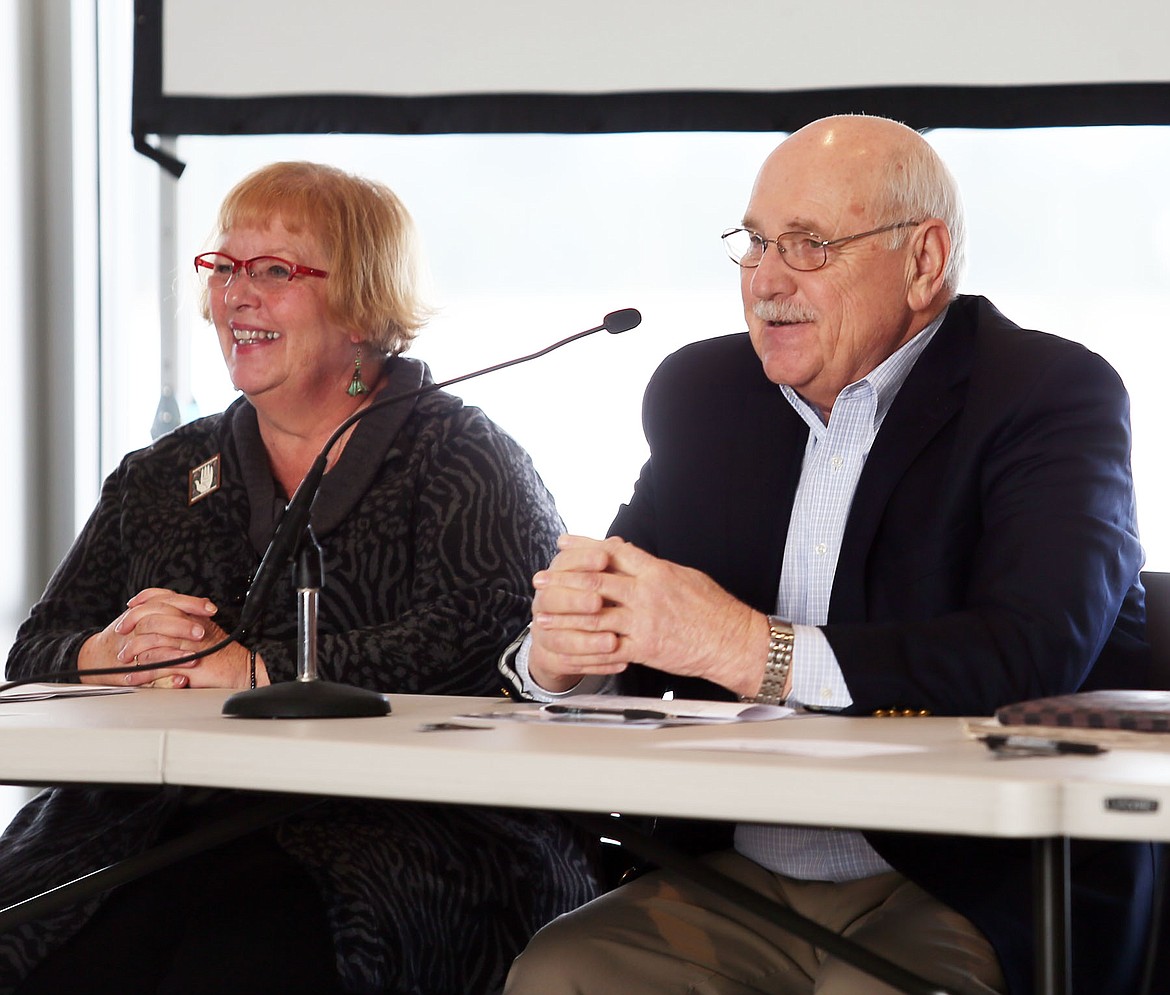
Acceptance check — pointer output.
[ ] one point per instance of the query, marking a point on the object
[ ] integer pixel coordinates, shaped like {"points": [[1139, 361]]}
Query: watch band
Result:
{"points": [[777, 665]]}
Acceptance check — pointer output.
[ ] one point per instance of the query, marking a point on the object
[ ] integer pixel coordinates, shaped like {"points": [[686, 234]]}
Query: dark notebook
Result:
{"points": [[1140, 711]]}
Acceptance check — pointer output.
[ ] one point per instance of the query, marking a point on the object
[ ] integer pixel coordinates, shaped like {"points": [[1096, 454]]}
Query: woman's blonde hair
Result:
{"points": [[365, 231]]}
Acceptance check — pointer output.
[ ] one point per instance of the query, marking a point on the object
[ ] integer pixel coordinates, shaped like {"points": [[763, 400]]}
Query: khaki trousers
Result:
{"points": [[663, 935]]}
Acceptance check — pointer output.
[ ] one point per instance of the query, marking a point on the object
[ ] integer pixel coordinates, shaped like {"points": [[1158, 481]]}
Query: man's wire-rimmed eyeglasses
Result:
{"points": [[802, 250], [217, 269]]}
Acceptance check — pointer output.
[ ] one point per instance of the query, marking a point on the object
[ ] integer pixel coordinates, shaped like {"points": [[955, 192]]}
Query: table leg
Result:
{"points": [[1052, 916]]}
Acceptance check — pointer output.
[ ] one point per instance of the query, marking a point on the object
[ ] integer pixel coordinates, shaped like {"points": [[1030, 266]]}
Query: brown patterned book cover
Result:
{"points": [[1141, 711]]}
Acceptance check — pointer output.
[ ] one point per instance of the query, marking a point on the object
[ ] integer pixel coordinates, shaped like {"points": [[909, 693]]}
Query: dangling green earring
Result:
{"points": [[356, 386]]}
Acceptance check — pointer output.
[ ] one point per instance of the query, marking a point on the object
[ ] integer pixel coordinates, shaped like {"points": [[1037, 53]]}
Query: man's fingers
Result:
{"points": [[576, 666], [577, 580], [573, 641], [581, 592], [567, 601], [570, 541], [614, 619], [593, 559], [626, 558]]}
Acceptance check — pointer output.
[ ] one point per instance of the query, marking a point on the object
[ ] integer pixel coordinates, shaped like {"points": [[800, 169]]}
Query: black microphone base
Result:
{"points": [[306, 700]]}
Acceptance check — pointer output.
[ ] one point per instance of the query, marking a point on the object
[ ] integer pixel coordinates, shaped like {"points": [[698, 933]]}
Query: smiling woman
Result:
{"points": [[431, 522]]}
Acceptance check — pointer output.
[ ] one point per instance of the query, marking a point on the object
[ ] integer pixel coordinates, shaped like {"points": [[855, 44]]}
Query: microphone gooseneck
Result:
{"points": [[297, 511], [294, 523]]}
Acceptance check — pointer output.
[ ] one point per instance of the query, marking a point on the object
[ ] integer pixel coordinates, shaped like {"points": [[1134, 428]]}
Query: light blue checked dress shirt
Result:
{"points": [[833, 460]]}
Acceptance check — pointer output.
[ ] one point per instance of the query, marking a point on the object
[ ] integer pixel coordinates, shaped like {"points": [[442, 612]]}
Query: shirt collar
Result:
{"points": [[885, 380]]}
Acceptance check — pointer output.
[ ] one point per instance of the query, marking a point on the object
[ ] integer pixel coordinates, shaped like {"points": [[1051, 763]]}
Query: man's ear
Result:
{"points": [[931, 248]]}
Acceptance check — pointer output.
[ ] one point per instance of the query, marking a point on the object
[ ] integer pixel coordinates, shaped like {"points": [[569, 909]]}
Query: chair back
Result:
{"points": [[1157, 587]]}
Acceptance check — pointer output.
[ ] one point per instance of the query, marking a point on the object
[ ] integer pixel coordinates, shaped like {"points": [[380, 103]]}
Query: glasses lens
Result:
{"points": [[802, 252], [269, 271], [214, 269], [743, 246]]}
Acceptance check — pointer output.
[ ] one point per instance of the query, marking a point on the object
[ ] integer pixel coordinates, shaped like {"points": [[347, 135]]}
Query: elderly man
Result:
{"points": [[884, 496]]}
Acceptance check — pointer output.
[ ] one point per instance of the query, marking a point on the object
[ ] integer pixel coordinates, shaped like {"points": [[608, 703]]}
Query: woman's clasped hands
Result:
{"points": [[159, 625]]}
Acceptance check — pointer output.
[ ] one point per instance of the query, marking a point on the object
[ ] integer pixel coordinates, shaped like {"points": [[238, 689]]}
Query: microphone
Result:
{"points": [[619, 321]]}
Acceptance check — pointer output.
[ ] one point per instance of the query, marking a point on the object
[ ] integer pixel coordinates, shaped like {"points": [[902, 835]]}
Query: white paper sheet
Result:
{"points": [[41, 692]]}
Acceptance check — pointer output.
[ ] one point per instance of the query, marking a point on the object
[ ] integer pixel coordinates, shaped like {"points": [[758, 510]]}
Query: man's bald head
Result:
{"points": [[892, 166]]}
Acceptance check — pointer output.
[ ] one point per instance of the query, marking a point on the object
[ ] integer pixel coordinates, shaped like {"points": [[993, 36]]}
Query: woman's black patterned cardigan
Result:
{"points": [[431, 525]]}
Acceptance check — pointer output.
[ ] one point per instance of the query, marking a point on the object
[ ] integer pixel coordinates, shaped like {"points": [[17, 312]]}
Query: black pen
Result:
{"points": [[626, 714], [1039, 745]]}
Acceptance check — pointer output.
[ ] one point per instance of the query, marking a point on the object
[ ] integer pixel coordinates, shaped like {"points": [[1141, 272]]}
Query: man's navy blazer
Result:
{"points": [[990, 556]]}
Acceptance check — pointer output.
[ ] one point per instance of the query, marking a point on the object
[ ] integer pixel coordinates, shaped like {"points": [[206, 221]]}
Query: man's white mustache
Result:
{"points": [[782, 311]]}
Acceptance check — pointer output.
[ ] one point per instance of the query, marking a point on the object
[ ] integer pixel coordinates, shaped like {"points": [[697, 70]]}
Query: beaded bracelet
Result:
{"points": [[252, 668]]}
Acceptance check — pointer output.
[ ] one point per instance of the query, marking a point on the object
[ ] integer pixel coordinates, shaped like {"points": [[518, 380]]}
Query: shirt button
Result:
{"points": [[837, 462], [820, 548]]}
